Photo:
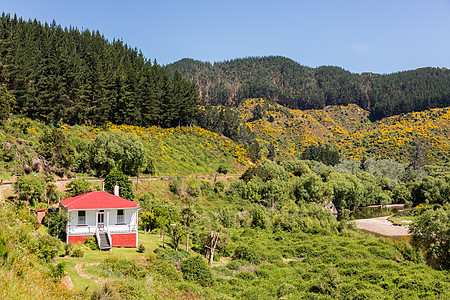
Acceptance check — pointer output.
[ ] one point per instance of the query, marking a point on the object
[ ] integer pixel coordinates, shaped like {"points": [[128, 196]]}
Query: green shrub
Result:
{"points": [[409, 252], [78, 187], [124, 268], [57, 224], [222, 169], [226, 217], [259, 218], [206, 187], [4, 250], [195, 268], [91, 243], [165, 269], [169, 254], [246, 276], [219, 187], [141, 248], [106, 291], [193, 188], [45, 246], [175, 186], [246, 253], [233, 265], [58, 271], [285, 289], [261, 273], [77, 252], [68, 249], [122, 180]]}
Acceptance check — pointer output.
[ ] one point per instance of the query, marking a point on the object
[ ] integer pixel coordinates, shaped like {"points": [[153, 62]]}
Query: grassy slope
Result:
{"points": [[149, 241], [349, 128], [193, 150], [175, 151]]}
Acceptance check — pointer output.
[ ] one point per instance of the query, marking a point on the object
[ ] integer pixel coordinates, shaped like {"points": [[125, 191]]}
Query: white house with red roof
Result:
{"points": [[112, 219]]}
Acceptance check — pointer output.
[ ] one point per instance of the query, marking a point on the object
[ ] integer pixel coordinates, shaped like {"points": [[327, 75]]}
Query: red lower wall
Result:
{"points": [[124, 240], [77, 239], [118, 240]]}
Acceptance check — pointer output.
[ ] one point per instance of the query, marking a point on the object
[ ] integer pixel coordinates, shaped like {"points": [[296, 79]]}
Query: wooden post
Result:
{"points": [[212, 248]]}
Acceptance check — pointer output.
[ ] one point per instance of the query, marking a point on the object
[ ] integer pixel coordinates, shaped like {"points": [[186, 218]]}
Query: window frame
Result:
{"points": [[81, 218], [120, 216]]}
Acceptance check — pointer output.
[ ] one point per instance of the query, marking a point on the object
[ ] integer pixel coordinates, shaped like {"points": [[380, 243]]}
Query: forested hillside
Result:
{"points": [[291, 84], [65, 75]]}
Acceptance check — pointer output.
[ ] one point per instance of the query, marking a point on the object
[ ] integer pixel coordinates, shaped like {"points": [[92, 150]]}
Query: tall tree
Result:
{"points": [[125, 189]]}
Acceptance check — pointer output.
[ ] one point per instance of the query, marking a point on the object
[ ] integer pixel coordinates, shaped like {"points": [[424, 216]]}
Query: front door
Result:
{"points": [[100, 220]]}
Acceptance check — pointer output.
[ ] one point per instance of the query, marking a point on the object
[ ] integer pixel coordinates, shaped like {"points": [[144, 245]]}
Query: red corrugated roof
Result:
{"points": [[97, 200]]}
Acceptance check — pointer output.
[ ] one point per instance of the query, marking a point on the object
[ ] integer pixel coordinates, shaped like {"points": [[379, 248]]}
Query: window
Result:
{"points": [[81, 217], [120, 216]]}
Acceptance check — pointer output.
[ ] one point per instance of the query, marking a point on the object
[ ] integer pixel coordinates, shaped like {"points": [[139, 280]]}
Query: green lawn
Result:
{"points": [[150, 242]]}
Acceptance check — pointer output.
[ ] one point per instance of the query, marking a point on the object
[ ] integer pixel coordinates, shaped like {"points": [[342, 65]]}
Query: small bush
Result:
{"points": [[165, 270], [68, 249], [222, 170], [196, 269], [285, 289], [262, 273], [141, 248], [45, 246], [58, 271], [233, 265], [106, 291], [206, 187], [169, 254], [246, 276], [123, 268], [219, 187], [4, 250], [246, 253], [259, 218], [91, 243], [193, 188], [77, 252], [409, 252], [175, 186]]}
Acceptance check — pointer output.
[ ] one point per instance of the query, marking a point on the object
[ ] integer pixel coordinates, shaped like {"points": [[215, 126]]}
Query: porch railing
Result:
{"points": [[91, 230]]}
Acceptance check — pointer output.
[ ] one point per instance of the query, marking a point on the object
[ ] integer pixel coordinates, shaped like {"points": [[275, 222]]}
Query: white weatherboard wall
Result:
{"points": [[110, 224]]}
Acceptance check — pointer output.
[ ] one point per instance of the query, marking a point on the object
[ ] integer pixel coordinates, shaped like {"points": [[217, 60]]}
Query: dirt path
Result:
{"points": [[382, 226], [80, 271]]}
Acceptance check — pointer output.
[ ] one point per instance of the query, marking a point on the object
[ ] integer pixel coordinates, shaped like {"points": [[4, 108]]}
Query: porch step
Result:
{"points": [[103, 241]]}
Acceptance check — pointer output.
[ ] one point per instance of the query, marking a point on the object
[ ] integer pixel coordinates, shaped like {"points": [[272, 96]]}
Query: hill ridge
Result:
{"points": [[293, 85]]}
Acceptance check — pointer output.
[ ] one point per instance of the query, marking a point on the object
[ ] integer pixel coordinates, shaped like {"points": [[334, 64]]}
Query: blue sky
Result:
{"points": [[360, 36]]}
